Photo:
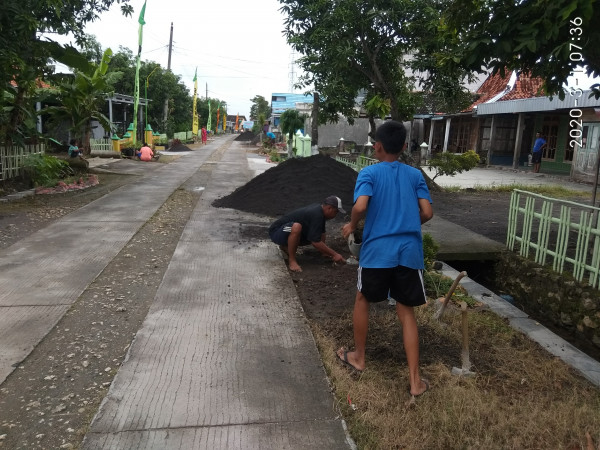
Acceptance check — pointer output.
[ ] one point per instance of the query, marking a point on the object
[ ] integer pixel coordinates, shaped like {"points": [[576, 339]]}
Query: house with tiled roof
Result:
{"points": [[500, 125]]}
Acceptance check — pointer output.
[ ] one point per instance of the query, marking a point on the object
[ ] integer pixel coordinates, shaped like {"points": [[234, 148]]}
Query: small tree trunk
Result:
{"points": [[86, 142], [290, 148], [372, 127], [314, 118]]}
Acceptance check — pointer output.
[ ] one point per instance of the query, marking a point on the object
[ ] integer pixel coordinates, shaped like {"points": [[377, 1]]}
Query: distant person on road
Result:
{"points": [[74, 151], [538, 149], [306, 226], [145, 153], [204, 135], [394, 200]]}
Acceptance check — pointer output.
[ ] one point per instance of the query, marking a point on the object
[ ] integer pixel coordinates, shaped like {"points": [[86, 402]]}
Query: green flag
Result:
{"points": [[142, 12]]}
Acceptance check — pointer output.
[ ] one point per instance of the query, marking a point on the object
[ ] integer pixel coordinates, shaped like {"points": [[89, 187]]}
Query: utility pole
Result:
{"points": [[166, 108], [292, 73]]}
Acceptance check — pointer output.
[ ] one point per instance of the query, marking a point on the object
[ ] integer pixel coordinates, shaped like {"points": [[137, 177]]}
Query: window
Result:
{"points": [[459, 136], [550, 133]]}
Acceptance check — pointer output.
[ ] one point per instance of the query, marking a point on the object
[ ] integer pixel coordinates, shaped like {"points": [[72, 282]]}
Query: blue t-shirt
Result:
{"points": [[537, 146], [392, 234]]}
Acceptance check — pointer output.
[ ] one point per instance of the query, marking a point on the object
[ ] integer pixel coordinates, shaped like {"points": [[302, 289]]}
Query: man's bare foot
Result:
{"points": [[294, 267], [423, 387], [349, 359]]}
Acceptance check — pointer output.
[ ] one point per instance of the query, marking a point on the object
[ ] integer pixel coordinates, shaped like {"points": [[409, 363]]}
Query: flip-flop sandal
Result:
{"points": [[345, 361]]}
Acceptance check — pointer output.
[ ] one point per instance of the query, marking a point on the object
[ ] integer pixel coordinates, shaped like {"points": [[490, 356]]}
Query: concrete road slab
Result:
{"points": [[270, 436], [503, 176], [43, 274], [225, 358], [21, 328]]}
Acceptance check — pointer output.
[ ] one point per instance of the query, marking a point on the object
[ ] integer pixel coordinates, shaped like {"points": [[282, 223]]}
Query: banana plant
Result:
{"points": [[81, 98]]}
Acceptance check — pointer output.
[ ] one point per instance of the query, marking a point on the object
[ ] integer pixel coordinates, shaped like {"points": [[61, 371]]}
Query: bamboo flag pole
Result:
{"points": [[137, 73]]}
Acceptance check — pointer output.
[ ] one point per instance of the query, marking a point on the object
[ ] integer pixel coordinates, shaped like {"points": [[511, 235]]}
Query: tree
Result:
{"points": [[350, 45], [81, 99], [24, 54], [259, 106], [450, 164], [291, 121], [162, 84], [547, 39], [91, 49]]}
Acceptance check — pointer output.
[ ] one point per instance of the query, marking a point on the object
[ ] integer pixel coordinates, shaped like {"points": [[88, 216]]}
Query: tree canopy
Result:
{"points": [[158, 84], [24, 53], [547, 39], [367, 46], [260, 105]]}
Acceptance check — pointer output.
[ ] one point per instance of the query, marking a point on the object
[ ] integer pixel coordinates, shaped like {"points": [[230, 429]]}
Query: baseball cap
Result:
{"points": [[334, 201]]}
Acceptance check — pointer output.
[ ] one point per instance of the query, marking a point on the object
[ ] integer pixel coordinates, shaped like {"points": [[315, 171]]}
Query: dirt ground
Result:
{"points": [[51, 397]]}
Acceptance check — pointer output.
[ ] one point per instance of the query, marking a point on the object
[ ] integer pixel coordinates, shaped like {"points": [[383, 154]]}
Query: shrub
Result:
{"points": [[45, 170], [430, 249], [450, 164], [274, 156]]}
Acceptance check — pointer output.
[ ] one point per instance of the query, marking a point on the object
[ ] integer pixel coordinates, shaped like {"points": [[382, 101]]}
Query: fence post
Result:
{"points": [[297, 141], [306, 145]]}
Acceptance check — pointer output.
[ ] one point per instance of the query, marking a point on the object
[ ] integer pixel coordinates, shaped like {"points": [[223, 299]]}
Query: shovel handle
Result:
{"points": [[453, 287], [449, 294]]}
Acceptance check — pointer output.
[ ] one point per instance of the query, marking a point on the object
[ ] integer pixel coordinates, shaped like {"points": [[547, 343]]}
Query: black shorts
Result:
{"points": [[401, 283], [280, 235], [536, 157]]}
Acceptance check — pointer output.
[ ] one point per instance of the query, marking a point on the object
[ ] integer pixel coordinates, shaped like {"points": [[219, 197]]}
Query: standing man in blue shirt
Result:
{"points": [[538, 148], [394, 200]]}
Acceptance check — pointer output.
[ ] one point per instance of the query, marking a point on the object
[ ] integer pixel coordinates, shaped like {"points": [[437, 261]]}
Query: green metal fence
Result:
{"points": [[568, 238], [357, 164]]}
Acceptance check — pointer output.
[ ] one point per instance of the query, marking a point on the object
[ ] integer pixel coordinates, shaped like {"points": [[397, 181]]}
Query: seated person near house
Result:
{"points": [[145, 153], [73, 149]]}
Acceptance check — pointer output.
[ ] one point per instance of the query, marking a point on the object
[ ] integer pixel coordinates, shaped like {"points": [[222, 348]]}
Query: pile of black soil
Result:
{"points": [[293, 184], [245, 136], [179, 148]]}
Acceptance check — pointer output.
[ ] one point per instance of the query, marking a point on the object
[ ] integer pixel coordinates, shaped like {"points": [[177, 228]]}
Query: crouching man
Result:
{"points": [[306, 226]]}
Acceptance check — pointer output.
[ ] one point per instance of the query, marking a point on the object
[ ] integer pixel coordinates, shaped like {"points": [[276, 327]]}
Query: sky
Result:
{"points": [[237, 46]]}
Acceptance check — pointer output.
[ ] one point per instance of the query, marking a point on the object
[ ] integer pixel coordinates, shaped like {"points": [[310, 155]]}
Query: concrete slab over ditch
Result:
{"points": [[457, 243]]}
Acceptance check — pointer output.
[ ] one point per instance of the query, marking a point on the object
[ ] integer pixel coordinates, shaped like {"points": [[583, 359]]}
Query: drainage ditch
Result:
{"points": [[484, 273]]}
